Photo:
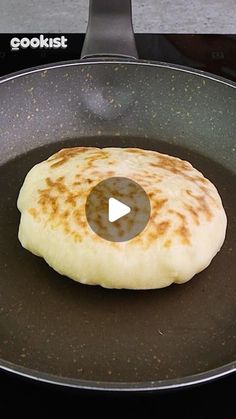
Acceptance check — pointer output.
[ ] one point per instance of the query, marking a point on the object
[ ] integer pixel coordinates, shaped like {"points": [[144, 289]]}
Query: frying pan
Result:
{"points": [[56, 330]]}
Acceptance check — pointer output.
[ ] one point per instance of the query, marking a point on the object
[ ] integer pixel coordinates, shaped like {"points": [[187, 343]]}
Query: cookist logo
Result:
{"points": [[38, 42]]}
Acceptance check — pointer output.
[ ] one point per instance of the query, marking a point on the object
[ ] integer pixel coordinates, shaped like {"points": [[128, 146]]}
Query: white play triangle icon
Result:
{"points": [[116, 210]]}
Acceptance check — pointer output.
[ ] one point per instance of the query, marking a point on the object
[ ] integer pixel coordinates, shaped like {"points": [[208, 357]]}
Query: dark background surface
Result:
{"points": [[213, 53], [215, 399]]}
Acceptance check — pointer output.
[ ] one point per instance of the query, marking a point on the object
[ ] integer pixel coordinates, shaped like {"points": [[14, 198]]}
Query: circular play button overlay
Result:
{"points": [[117, 209]]}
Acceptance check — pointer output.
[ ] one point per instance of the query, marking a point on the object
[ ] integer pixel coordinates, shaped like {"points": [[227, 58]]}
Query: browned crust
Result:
{"points": [[62, 204]]}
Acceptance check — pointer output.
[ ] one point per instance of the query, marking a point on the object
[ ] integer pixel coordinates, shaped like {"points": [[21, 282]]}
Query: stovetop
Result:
{"points": [[212, 53]]}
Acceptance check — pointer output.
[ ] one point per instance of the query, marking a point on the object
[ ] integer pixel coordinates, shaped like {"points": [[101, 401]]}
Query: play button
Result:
{"points": [[117, 209]]}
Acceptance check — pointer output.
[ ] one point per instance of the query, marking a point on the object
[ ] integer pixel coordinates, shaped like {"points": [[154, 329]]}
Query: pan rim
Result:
{"points": [[165, 384], [160, 64], [160, 385]]}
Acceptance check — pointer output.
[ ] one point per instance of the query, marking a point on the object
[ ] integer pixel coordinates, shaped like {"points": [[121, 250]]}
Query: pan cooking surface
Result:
{"points": [[51, 324]]}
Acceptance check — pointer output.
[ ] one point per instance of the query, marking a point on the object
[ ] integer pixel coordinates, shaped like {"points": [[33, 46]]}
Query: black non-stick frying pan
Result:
{"points": [[56, 330]]}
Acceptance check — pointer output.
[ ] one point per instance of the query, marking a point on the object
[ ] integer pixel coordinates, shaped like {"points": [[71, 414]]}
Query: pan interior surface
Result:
{"points": [[50, 324]]}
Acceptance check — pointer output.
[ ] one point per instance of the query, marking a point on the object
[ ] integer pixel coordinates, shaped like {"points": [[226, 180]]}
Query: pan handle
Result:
{"points": [[110, 30]]}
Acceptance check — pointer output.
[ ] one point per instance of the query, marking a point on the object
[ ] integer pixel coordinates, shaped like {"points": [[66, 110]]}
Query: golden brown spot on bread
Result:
{"points": [[66, 229], [172, 164], [153, 194], [77, 215], [59, 162], [181, 216], [209, 196], [200, 179], [202, 204], [162, 227], [184, 234], [151, 237], [193, 213], [182, 230], [48, 203], [76, 237], [50, 200], [33, 212], [60, 179], [65, 214], [97, 154], [157, 230], [49, 182], [135, 150], [66, 154], [71, 199], [80, 218], [158, 204], [57, 185]]}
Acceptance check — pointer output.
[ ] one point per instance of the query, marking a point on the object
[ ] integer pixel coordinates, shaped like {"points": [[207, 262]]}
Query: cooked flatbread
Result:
{"points": [[185, 231]]}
